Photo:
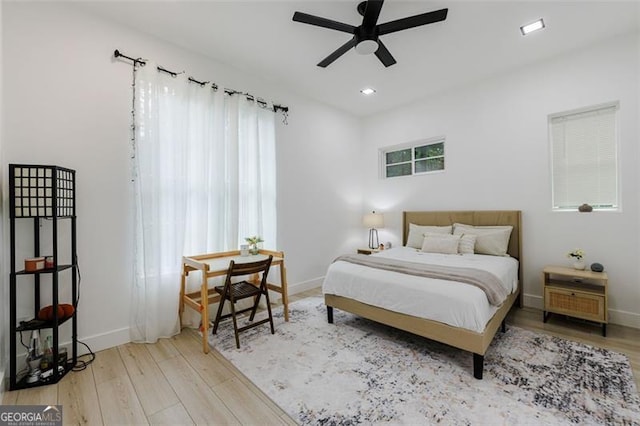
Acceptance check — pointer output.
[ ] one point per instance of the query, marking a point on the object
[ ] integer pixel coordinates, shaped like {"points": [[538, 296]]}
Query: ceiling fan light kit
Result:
{"points": [[367, 47], [365, 38]]}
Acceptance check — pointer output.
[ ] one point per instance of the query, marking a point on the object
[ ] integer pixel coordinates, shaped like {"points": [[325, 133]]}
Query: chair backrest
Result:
{"points": [[236, 269]]}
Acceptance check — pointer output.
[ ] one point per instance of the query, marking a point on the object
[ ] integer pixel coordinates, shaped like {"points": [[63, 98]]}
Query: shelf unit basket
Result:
{"points": [[39, 192]]}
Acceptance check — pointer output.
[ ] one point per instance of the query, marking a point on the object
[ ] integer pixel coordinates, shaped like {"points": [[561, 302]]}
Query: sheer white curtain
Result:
{"points": [[204, 178], [256, 168]]}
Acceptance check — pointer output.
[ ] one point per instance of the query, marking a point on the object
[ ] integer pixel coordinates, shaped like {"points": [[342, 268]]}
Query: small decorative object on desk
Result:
{"points": [[576, 256], [244, 249], [253, 243]]}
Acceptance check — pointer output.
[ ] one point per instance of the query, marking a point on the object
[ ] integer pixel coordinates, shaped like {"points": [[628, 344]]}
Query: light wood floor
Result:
{"points": [[173, 382]]}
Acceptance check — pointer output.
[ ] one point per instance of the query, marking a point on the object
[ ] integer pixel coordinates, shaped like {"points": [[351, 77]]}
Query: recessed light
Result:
{"points": [[534, 26], [368, 91]]}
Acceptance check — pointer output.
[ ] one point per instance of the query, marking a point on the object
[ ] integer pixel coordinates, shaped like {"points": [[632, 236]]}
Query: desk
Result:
{"points": [[216, 265]]}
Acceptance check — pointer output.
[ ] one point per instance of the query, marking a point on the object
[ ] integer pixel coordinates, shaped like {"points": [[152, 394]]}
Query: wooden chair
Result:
{"points": [[234, 292]]}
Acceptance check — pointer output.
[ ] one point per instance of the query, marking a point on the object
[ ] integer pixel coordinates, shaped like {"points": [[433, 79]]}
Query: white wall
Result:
{"points": [[67, 102], [497, 157]]}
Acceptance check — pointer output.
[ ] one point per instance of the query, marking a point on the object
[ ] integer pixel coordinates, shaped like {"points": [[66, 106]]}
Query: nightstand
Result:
{"points": [[576, 293], [367, 250]]}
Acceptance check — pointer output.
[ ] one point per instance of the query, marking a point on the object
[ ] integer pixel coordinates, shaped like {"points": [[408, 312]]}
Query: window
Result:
{"points": [[584, 158], [425, 157]]}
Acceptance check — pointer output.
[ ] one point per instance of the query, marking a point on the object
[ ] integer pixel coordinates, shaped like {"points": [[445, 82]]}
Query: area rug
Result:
{"points": [[356, 371]]}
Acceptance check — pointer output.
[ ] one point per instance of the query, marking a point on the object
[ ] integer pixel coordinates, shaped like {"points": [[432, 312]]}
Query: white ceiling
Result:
{"points": [[478, 39]]}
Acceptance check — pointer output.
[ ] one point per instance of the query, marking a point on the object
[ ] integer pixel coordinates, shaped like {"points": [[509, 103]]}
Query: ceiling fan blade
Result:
{"points": [[323, 22], [371, 13], [412, 21], [384, 55], [337, 53]]}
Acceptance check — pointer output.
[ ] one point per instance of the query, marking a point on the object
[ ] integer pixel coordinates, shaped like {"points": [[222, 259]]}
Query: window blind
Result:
{"points": [[584, 158]]}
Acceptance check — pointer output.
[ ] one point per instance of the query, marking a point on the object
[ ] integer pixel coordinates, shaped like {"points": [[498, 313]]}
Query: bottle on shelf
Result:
{"points": [[47, 354]]}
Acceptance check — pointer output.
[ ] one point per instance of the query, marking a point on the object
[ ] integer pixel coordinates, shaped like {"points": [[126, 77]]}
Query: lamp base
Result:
{"points": [[374, 243]]}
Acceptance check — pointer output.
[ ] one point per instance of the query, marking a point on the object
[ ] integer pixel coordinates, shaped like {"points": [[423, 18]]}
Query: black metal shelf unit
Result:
{"points": [[38, 192]]}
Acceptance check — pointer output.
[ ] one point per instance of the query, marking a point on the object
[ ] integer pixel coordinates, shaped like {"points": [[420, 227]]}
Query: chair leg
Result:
{"points": [[256, 301], [235, 323], [218, 315], [266, 295]]}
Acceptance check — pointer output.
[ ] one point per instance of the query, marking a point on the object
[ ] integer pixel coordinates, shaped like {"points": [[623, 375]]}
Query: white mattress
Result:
{"points": [[454, 303]]}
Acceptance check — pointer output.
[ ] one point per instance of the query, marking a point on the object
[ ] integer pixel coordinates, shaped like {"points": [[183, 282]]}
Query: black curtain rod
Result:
{"points": [[261, 102]]}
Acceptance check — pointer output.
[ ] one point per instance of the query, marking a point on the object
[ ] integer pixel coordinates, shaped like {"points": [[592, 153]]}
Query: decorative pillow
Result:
{"points": [[493, 240], [416, 233], [440, 243], [467, 244]]}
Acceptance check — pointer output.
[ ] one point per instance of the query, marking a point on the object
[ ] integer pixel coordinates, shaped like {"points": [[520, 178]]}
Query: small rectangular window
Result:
{"points": [[584, 158], [418, 158]]}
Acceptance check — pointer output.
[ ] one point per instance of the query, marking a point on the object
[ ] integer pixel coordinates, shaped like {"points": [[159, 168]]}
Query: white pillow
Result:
{"points": [[467, 244], [416, 233], [440, 243], [493, 240]]}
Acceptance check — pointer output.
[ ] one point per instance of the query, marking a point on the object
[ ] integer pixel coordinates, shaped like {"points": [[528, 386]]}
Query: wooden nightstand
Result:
{"points": [[367, 251], [579, 294]]}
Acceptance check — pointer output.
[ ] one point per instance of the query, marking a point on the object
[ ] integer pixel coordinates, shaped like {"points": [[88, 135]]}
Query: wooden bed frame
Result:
{"points": [[461, 338]]}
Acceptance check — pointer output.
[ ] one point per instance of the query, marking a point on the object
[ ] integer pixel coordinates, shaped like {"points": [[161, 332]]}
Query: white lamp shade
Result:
{"points": [[373, 220]]}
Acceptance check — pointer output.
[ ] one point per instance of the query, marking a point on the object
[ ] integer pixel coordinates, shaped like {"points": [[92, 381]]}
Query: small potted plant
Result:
{"points": [[577, 255], [253, 243]]}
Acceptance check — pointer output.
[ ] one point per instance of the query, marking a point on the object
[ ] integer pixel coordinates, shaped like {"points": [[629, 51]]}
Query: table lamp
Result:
{"points": [[372, 221]]}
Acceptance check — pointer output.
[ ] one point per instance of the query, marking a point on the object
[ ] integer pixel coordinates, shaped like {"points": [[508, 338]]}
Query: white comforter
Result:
{"points": [[450, 302]]}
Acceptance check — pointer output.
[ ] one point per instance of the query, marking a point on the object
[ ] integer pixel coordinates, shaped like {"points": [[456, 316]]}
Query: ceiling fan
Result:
{"points": [[366, 36]]}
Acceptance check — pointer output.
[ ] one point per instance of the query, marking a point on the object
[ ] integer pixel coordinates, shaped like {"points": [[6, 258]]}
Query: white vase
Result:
{"points": [[579, 264]]}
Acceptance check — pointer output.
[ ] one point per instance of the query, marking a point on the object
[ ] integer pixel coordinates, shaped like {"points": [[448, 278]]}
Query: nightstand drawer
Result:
{"points": [[575, 303]]}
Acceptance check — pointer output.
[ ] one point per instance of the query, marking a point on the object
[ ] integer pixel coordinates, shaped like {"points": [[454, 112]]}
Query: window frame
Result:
{"points": [[615, 105], [412, 146]]}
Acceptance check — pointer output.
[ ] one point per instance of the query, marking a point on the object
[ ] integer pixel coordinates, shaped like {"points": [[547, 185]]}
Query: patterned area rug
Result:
{"points": [[357, 371]]}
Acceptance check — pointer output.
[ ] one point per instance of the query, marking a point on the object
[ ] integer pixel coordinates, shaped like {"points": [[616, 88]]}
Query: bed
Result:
{"points": [[340, 288]]}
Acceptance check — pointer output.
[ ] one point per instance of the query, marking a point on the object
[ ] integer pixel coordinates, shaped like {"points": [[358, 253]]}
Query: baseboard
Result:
{"points": [[305, 285], [628, 319], [122, 336], [100, 342], [533, 301]]}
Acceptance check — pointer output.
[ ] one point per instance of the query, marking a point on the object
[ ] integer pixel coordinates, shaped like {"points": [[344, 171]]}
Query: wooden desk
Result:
{"points": [[216, 265]]}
